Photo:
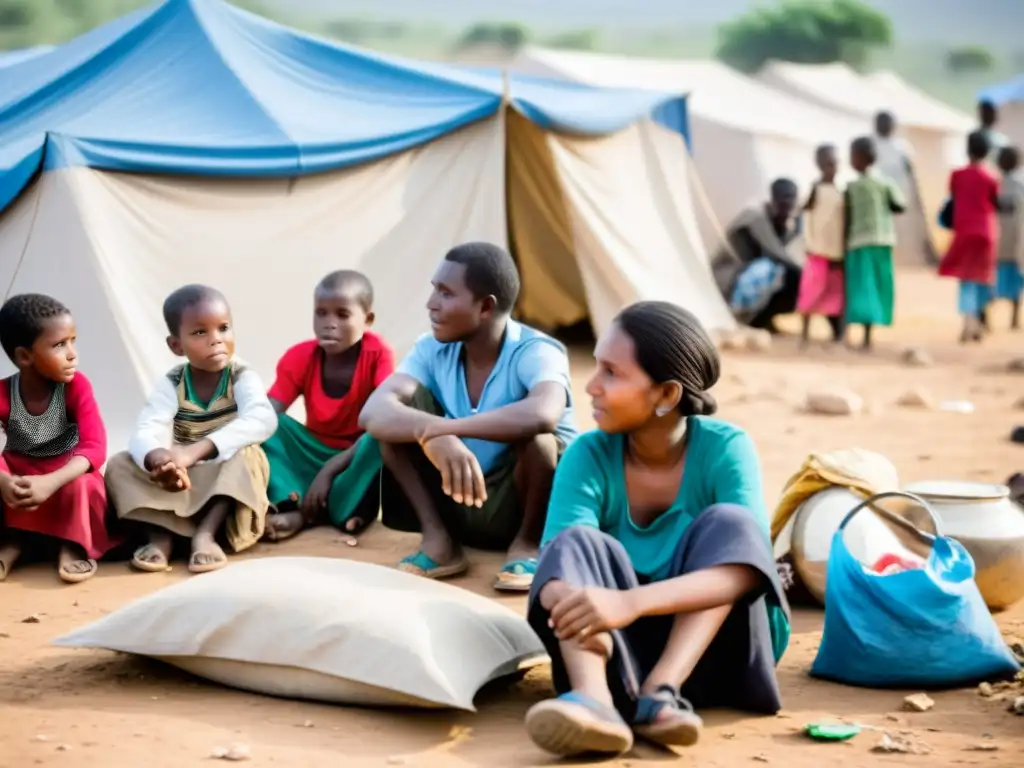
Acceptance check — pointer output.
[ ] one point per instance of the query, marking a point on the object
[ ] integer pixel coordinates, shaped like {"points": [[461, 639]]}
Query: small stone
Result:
{"points": [[892, 718], [397, 760], [41, 737], [983, 748], [760, 759], [918, 702], [916, 398], [35, 618], [307, 724], [834, 402], [986, 690], [899, 746], [728, 735], [916, 357], [4, 636], [1018, 706], [235, 753], [63, 748], [759, 340]]}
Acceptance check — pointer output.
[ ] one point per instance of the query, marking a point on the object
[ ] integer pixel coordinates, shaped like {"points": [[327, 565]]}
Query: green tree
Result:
{"points": [[804, 31], [969, 58], [505, 35], [576, 40]]}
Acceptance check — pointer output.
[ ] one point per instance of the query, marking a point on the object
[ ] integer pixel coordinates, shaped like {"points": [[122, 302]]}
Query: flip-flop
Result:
{"points": [[77, 578], [421, 564], [516, 575], [195, 567], [145, 566], [575, 724], [683, 729]]}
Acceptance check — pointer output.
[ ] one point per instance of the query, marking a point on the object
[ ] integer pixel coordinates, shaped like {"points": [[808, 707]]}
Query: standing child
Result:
{"points": [[971, 257], [821, 284], [871, 201], [1009, 276], [50, 479], [323, 465], [194, 466]]}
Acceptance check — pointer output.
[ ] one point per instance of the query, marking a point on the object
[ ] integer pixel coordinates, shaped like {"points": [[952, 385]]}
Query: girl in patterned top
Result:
{"points": [[194, 466], [50, 480]]}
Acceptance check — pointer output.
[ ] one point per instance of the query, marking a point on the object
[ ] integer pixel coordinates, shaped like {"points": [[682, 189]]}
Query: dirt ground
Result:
{"points": [[59, 707]]}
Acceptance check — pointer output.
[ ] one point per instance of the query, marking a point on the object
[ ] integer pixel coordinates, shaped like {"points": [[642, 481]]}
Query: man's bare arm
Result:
{"points": [[388, 417]]}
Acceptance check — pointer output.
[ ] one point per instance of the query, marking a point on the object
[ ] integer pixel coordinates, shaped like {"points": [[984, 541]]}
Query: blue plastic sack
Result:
{"points": [[927, 627]]}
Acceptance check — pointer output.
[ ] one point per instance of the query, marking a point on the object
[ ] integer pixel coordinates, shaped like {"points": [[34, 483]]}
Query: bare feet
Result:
{"points": [[10, 551], [73, 565], [283, 525], [441, 548], [155, 556]]}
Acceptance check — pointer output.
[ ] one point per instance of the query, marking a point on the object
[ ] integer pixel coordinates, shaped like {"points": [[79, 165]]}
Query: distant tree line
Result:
{"points": [[806, 31]]}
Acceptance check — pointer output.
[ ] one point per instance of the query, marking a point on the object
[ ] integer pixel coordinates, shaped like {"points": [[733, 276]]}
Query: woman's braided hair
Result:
{"points": [[672, 345]]}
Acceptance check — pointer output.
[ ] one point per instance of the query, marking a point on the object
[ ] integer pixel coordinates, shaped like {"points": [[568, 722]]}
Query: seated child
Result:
{"points": [[194, 464], [323, 465], [50, 479]]}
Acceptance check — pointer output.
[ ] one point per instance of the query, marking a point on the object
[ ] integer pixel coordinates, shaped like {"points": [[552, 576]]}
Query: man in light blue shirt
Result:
{"points": [[472, 423]]}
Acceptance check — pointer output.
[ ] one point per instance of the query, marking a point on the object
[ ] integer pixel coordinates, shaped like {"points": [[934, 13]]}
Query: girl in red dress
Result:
{"points": [[50, 481], [971, 257]]}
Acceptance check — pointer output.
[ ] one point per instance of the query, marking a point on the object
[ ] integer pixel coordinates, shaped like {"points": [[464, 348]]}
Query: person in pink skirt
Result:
{"points": [[822, 284], [50, 481]]}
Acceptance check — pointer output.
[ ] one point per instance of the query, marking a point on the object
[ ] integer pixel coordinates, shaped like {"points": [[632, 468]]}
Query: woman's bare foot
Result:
{"points": [[283, 525], [10, 551], [206, 554], [73, 566]]}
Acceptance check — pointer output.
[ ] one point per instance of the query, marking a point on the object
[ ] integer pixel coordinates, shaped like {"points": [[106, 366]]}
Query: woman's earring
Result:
{"points": [[662, 412]]}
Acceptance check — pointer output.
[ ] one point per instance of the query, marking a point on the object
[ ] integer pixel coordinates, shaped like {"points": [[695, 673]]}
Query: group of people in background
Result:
{"points": [[832, 255]]}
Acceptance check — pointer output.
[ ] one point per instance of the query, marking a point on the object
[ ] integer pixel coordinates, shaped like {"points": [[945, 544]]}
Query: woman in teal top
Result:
{"points": [[656, 584]]}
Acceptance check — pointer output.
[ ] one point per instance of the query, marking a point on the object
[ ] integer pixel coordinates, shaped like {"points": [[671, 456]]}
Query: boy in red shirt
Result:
{"points": [[323, 466], [971, 258]]}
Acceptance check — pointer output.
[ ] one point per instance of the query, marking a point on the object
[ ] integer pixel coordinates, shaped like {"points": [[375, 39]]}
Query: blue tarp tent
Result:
{"points": [[201, 87], [7, 58], [192, 141]]}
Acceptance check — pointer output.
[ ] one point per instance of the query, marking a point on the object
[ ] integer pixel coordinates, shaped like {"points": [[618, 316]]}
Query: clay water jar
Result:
{"points": [[990, 525]]}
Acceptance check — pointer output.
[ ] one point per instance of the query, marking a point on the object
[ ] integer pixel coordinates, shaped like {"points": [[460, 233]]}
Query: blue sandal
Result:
{"points": [[575, 724], [516, 575], [424, 565], [683, 729]]}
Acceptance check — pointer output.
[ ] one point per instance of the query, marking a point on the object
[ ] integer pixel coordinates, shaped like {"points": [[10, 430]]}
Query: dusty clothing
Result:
{"points": [[40, 444], [869, 215], [825, 222], [237, 419]]}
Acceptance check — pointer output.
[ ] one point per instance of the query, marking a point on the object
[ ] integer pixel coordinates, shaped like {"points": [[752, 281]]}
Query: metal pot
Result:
{"points": [[874, 532], [990, 525]]}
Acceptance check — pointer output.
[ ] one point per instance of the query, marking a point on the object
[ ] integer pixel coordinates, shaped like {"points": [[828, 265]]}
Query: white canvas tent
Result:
{"points": [[936, 132], [743, 133], [208, 179]]}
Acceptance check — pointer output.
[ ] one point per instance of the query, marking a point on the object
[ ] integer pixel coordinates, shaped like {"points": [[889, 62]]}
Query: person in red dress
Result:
{"points": [[971, 257], [322, 468], [50, 481]]}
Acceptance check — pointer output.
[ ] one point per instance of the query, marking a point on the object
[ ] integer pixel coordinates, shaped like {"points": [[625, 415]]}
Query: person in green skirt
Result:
{"points": [[472, 424], [871, 201], [325, 467]]}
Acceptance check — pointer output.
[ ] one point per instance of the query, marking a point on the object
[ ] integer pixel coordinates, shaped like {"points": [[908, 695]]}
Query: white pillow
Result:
{"points": [[324, 629]]}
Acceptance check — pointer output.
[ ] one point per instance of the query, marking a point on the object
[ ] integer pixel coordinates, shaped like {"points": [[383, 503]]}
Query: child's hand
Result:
{"points": [[157, 458], [171, 477], [315, 500], [8, 490], [183, 457], [31, 492]]}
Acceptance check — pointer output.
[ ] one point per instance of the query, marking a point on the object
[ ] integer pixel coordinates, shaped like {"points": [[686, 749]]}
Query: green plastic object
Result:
{"points": [[832, 732]]}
